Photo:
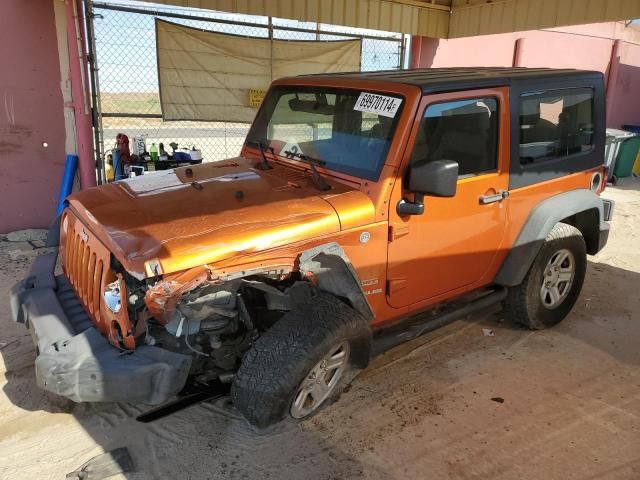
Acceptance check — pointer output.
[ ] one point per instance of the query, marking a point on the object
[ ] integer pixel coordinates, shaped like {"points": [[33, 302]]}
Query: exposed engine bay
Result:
{"points": [[118, 337], [213, 320]]}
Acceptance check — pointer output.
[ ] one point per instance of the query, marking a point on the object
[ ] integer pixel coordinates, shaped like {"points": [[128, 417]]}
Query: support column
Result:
{"points": [[517, 52], [416, 52], [610, 78], [79, 102]]}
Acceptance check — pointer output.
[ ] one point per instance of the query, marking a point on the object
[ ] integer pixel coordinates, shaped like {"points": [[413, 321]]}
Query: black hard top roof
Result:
{"points": [[437, 79]]}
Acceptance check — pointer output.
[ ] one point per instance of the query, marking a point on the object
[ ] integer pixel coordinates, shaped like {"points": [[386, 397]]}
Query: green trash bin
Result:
{"points": [[626, 158], [615, 138]]}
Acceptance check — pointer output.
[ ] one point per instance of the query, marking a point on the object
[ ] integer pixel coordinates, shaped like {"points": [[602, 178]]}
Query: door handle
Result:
{"points": [[496, 197]]}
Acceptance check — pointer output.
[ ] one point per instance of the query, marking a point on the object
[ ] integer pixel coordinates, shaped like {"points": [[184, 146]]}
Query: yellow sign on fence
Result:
{"points": [[256, 97]]}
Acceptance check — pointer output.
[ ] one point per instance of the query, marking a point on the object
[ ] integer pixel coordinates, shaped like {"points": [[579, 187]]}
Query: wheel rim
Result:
{"points": [[557, 278], [321, 381]]}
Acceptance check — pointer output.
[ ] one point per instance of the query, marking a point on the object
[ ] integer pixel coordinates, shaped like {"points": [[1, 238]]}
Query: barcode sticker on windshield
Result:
{"points": [[380, 104]]}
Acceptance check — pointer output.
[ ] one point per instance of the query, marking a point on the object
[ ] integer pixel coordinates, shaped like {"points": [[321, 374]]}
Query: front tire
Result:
{"points": [[551, 287], [302, 363]]}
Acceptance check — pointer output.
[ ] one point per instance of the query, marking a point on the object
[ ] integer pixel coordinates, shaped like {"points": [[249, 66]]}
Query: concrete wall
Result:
{"points": [[624, 88], [590, 47], [31, 113]]}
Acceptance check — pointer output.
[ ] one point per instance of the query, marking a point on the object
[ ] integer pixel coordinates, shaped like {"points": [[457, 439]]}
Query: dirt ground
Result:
{"points": [[428, 409]]}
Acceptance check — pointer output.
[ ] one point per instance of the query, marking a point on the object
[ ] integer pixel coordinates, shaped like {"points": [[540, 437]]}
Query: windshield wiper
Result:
{"points": [[264, 165], [312, 162]]}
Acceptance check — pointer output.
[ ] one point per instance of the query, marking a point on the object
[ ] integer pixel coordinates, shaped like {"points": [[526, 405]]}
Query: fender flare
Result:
{"points": [[540, 222], [335, 274]]}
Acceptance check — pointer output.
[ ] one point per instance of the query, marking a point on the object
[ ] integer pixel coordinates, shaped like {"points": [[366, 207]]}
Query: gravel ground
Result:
{"points": [[558, 404]]}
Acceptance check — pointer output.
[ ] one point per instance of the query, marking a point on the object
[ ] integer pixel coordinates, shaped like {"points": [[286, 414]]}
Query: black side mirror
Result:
{"points": [[438, 179]]}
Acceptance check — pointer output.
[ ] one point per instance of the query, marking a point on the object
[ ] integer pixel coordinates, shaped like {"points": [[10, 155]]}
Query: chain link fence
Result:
{"points": [[127, 79]]}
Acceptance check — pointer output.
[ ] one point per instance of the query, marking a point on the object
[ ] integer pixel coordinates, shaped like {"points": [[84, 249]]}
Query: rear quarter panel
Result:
{"points": [[522, 201]]}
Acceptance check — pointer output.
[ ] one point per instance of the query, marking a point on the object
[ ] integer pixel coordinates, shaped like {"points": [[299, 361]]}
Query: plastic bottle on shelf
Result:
{"points": [[163, 154], [153, 152], [108, 168]]}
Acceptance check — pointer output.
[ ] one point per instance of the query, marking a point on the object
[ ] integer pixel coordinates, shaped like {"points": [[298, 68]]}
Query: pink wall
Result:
{"points": [[587, 47], [624, 90], [31, 112]]}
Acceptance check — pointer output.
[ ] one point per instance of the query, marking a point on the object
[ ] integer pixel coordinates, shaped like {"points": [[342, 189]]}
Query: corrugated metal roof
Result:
{"points": [[432, 18], [416, 17], [480, 17]]}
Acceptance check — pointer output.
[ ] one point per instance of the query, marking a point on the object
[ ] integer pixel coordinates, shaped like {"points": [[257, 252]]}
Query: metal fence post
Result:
{"points": [[95, 97], [403, 51]]}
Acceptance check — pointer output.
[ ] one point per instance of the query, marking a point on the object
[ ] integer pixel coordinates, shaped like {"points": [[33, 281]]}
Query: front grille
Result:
{"points": [[85, 263]]}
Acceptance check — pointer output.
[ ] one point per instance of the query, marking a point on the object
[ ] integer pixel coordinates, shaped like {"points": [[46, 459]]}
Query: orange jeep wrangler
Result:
{"points": [[358, 202]]}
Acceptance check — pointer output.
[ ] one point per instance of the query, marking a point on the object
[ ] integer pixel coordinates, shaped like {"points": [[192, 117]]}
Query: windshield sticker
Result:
{"points": [[290, 148], [380, 104]]}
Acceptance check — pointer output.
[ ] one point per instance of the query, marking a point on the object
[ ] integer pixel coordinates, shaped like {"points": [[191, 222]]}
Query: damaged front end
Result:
{"points": [[215, 318], [193, 326], [105, 334], [75, 360]]}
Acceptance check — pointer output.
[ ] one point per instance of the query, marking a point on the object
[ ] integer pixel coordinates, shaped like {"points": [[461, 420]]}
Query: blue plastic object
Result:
{"points": [[181, 157], [118, 166], [632, 128], [70, 167]]}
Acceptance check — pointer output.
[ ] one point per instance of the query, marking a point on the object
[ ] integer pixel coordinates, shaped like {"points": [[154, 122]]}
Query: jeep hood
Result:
{"points": [[177, 219]]}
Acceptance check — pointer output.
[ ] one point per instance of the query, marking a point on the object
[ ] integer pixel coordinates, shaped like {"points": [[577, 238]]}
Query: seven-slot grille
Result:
{"points": [[84, 265]]}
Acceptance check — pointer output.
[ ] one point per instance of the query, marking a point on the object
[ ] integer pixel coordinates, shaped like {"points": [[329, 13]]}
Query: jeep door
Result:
{"points": [[452, 247]]}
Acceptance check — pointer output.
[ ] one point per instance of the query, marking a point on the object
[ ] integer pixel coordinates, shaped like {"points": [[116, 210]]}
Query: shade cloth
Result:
{"points": [[209, 76]]}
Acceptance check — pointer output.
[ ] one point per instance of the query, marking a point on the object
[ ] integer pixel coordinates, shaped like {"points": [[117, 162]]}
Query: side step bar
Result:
{"points": [[386, 339], [383, 341], [190, 395]]}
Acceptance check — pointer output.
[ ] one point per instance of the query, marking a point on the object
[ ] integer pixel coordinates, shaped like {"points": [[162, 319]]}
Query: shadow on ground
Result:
{"points": [[628, 184], [454, 402]]}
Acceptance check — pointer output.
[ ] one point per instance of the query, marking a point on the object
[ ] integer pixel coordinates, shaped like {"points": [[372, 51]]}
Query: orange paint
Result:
{"points": [[203, 223], [86, 263]]}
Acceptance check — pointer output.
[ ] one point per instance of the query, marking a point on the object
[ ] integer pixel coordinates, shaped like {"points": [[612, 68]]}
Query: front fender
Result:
{"points": [[335, 274]]}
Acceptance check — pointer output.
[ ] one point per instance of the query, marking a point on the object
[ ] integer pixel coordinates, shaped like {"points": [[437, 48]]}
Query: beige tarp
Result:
{"points": [[217, 77]]}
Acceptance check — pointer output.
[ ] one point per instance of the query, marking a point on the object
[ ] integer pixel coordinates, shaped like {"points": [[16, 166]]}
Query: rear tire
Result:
{"points": [[551, 287], [288, 357]]}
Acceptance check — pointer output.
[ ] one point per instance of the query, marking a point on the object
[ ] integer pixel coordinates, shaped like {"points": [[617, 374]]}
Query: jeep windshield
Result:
{"points": [[349, 130]]}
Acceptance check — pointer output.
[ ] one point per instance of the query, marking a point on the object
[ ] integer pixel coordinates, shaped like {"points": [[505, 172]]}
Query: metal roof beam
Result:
{"points": [[481, 17], [432, 18], [416, 17]]}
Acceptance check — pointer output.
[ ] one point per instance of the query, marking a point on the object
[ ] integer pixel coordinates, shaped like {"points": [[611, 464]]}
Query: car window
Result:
{"points": [[349, 130], [555, 123], [465, 131]]}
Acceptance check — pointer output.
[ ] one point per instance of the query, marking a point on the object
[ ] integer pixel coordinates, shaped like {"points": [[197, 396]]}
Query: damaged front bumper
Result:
{"points": [[75, 360]]}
